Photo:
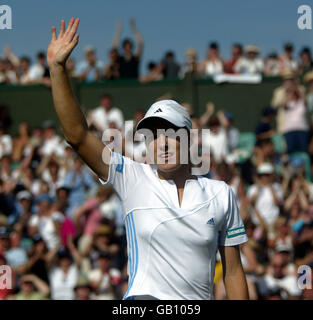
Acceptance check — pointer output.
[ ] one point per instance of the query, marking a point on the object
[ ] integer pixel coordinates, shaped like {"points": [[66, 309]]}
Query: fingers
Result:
{"points": [[53, 33], [62, 28], [70, 32], [70, 24]]}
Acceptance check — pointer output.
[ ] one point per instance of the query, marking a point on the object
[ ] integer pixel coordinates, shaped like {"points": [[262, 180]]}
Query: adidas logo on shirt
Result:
{"points": [[159, 110], [211, 222]]}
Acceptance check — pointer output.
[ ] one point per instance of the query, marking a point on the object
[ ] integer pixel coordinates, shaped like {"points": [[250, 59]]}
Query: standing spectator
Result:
{"points": [[102, 116], [129, 62], [296, 126], [265, 195], [154, 73], [112, 69], [24, 71], [236, 55], [250, 63], [191, 63], [279, 98], [90, 69], [71, 68], [272, 65], [287, 61], [306, 63], [39, 72], [213, 64], [170, 67]]}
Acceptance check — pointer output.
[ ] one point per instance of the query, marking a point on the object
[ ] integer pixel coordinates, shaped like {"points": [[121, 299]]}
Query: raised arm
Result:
{"points": [[138, 37], [72, 119], [117, 35]]}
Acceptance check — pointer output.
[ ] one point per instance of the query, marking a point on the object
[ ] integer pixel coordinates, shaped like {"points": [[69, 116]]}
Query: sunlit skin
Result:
{"points": [[166, 153]]}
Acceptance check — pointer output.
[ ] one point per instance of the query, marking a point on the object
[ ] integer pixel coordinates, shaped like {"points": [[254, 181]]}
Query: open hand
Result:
{"points": [[61, 47]]}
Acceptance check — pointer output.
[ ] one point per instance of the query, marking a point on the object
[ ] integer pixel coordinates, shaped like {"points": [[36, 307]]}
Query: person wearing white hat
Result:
{"points": [[175, 221], [250, 63], [265, 195]]}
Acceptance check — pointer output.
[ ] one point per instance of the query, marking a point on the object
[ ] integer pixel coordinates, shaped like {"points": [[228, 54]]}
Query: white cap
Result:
{"points": [[168, 110], [265, 168], [24, 195]]}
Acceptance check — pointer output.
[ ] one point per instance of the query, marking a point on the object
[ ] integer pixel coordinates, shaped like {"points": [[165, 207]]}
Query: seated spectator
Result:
{"points": [[306, 63], [32, 288], [277, 278], [265, 196], [104, 278], [217, 140], [80, 182], [47, 222], [101, 116], [170, 68], [129, 61], [21, 141], [112, 69], [63, 276], [286, 60], [264, 130], [227, 120], [213, 64], [250, 63], [5, 142], [272, 65], [82, 289], [236, 55], [90, 69], [24, 71], [154, 73]]}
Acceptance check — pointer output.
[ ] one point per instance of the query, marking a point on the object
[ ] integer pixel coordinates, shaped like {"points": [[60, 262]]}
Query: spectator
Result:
{"points": [[32, 288], [265, 196], [39, 72], [191, 63], [272, 65], [170, 67], [129, 62], [102, 116], [277, 279], [279, 98], [112, 69], [5, 142], [90, 69], [213, 64], [264, 130], [250, 63], [287, 61], [71, 68], [306, 63], [104, 279], [154, 73], [24, 71], [236, 55], [296, 126], [82, 289]]}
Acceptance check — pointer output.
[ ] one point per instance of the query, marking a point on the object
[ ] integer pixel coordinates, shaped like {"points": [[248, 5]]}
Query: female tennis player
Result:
{"points": [[175, 221]]}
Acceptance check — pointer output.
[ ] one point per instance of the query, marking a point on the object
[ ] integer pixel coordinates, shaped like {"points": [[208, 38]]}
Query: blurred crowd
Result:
{"points": [[62, 232], [124, 57]]}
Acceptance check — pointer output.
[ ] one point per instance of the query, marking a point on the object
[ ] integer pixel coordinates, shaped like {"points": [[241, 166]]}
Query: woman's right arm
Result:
{"points": [[72, 119]]}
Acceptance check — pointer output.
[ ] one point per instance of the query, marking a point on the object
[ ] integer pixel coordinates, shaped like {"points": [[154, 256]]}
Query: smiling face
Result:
{"points": [[168, 145]]}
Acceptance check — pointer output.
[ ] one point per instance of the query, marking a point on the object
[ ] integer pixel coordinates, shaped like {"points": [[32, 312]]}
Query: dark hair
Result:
{"points": [[27, 59], [151, 65], [213, 45], [41, 55], [288, 46], [127, 41], [169, 54]]}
